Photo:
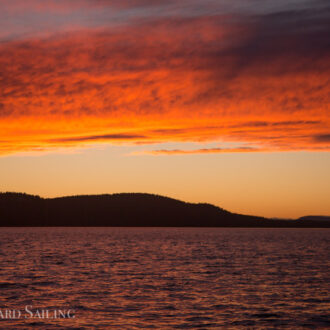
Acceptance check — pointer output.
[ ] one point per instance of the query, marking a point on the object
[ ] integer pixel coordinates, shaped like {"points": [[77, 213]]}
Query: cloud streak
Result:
{"points": [[100, 138], [200, 151]]}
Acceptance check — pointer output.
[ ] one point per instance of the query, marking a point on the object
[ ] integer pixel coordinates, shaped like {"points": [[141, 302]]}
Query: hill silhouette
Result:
{"points": [[315, 218], [127, 209]]}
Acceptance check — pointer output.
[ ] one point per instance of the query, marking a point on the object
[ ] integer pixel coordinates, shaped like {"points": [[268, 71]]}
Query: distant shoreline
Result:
{"points": [[233, 227], [132, 210]]}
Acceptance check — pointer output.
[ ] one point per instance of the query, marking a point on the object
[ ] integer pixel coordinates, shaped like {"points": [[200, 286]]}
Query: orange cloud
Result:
{"points": [[260, 80]]}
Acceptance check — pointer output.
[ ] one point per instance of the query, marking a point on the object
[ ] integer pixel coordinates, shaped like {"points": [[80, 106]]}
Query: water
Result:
{"points": [[133, 278]]}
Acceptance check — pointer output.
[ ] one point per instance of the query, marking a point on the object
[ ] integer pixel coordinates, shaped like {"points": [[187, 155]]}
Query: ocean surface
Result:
{"points": [[164, 278]]}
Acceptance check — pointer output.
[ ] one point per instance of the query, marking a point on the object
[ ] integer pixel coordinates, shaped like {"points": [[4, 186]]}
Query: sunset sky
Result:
{"points": [[219, 101]]}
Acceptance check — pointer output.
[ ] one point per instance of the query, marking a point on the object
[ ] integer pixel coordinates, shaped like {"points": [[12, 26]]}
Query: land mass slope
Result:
{"points": [[127, 209]]}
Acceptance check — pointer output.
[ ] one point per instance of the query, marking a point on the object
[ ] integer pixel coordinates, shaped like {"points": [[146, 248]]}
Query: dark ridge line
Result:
{"points": [[130, 210]]}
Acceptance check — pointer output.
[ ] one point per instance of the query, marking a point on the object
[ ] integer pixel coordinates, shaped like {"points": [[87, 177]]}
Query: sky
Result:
{"points": [[216, 101]]}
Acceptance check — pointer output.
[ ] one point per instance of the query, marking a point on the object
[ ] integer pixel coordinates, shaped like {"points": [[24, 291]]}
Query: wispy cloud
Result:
{"points": [[105, 137], [323, 138], [198, 151]]}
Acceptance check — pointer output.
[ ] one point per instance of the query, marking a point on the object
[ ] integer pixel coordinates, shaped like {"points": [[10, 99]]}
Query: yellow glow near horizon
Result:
{"points": [[267, 184]]}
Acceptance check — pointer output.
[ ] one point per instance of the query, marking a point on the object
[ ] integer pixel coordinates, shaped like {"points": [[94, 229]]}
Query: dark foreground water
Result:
{"points": [[138, 278]]}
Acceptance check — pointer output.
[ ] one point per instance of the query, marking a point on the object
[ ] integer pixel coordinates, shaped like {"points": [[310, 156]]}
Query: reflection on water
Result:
{"points": [[167, 277]]}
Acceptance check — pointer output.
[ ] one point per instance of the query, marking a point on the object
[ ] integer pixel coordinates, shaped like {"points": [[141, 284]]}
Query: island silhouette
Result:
{"points": [[129, 210]]}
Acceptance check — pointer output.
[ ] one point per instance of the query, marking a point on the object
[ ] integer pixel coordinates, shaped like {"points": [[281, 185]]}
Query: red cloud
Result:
{"points": [[183, 79]]}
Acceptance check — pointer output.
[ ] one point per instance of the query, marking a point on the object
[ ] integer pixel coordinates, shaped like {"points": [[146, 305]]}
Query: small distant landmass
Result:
{"points": [[315, 218], [129, 210]]}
